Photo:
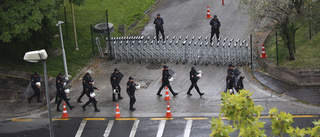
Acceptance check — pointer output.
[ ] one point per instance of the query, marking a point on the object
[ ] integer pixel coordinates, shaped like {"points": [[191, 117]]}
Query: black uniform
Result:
{"points": [[165, 82], [85, 81], [58, 81], [89, 89], [215, 27], [230, 82], [240, 84], [131, 88], [194, 79], [159, 26], [34, 79], [115, 83], [62, 96]]}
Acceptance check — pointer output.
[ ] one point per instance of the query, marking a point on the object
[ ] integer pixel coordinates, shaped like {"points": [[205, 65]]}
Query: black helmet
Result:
{"points": [[158, 14], [230, 65], [131, 78], [214, 16], [242, 77], [88, 73], [116, 69], [193, 68], [36, 73], [165, 66], [60, 74]]}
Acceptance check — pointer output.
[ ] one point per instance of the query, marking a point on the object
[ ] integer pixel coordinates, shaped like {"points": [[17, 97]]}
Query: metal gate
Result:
{"points": [[195, 50]]}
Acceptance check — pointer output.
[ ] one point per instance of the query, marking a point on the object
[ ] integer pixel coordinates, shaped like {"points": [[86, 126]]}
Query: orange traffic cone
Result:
{"points": [[167, 97], [168, 115], [117, 112], [65, 114], [263, 54], [208, 13]]}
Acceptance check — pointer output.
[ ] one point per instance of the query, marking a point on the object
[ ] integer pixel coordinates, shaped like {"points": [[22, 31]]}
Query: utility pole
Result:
{"points": [[63, 51]]}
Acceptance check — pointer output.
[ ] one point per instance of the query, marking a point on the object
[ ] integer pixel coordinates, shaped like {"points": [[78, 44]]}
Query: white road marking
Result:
{"points": [[157, 81], [108, 129], [188, 128], [161, 128], [81, 127], [134, 128]]}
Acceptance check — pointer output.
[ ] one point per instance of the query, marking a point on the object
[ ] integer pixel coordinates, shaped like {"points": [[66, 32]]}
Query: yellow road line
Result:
{"points": [[94, 118], [304, 116], [196, 118], [126, 118], [56, 119], [161, 118], [22, 119]]}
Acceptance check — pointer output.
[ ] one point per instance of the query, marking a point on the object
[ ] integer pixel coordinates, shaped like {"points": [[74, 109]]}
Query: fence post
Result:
{"points": [[92, 39], [251, 49]]}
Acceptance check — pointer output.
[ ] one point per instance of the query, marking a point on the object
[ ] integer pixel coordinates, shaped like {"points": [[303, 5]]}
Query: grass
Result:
{"points": [[307, 51], [120, 12]]}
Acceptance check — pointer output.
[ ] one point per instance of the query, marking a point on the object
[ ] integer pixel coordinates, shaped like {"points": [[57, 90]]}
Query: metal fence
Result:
{"points": [[197, 50]]}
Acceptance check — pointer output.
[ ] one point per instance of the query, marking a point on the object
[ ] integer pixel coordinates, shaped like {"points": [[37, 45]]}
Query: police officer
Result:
{"points": [[230, 82], [88, 90], [240, 84], [58, 81], [36, 88], [115, 79], [165, 80], [230, 69], [131, 88], [194, 79], [159, 26], [215, 27], [85, 81], [62, 95]]}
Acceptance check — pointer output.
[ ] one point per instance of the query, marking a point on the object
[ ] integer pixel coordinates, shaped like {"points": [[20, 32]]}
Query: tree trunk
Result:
{"points": [[74, 26], [287, 33]]}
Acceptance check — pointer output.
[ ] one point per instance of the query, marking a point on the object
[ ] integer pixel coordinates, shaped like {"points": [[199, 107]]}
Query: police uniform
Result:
{"points": [[58, 81], [215, 27], [240, 84], [85, 82], [159, 26], [194, 79], [90, 89], [230, 82], [131, 88], [115, 79], [34, 79], [165, 81], [62, 95]]}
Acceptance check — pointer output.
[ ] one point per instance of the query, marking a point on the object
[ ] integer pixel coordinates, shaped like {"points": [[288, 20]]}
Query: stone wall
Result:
{"points": [[299, 76]]}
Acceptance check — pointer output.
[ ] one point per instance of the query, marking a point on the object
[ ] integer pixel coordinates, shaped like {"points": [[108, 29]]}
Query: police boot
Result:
{"points": [[58, 105], [114, 97], [95, 108], [119, 96]]}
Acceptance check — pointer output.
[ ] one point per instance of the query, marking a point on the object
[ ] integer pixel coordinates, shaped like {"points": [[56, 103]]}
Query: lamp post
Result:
{"points": [[63, 51], [34, 57]]}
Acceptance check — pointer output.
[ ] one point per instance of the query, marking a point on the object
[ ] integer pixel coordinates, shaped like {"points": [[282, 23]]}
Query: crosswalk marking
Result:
{"points": [[81, 127], [161, 118], [108, 129], [161, 128], [134, 128], [188, 128]]}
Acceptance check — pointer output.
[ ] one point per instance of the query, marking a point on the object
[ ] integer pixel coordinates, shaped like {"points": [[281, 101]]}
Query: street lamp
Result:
{"points": [[34, 57], [63, 51]]}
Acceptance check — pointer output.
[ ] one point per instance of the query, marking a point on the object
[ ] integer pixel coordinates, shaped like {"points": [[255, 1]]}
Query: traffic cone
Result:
{"points": [[167, 97], [222, 2], [208, 13], [65, 114], [168, 115], [117, 112], [263, 54]]}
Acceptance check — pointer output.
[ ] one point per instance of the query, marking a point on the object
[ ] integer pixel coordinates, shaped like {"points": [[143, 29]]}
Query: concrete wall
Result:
{"points": [[299, 76]]}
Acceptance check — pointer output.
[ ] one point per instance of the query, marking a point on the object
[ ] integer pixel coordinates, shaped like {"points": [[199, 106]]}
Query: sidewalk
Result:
{"points": [[306, 94]]}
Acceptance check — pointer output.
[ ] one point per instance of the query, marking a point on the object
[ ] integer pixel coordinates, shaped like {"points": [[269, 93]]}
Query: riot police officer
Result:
{"points": [[230, 69], [165, 81], [159, 26], [215, 27], [194, 79], [89, 90], [62, 95], [115, 79], [131, 88], [85, 81], [230, 82], [58, 81], [35, 83], [240, 84]]}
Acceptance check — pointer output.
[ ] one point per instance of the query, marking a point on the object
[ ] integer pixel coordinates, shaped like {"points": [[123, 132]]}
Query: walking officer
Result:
{"points": [[230, 82], [35, 83], [89, 90], [159, 26], [240, 84], [194, 79], [85, 82], [58, 82], [165, 81], [62, 95], [115, 79], [215, 27], [131, 88]]}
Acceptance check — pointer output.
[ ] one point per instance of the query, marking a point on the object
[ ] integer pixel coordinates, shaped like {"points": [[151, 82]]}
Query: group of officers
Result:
{"points": [[232, 82]]}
